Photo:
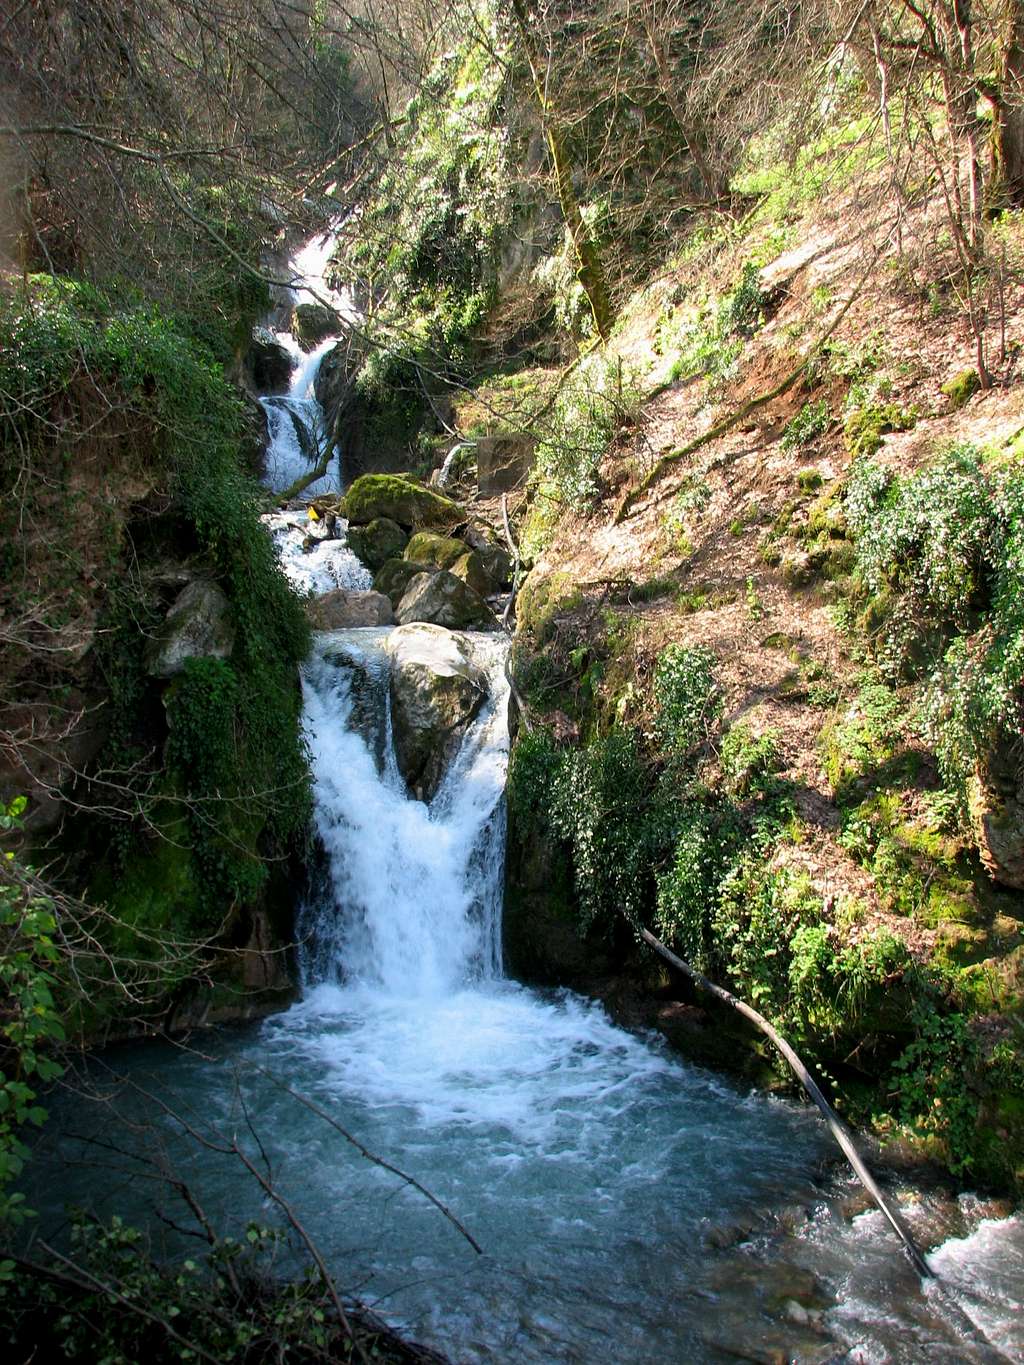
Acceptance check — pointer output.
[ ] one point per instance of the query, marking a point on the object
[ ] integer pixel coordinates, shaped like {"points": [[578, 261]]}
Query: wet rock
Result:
{"points": [[395, 576], [269, 363], [436, 691], [199, 625], [444, 600], [377, 542], [343, 608], [427, 547], [401, 499], [313, 323], [503, 462]]}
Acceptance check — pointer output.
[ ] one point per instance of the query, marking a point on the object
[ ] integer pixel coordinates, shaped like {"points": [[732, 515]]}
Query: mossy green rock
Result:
{"points": [[394, 577], [426, 547], [382, 539], [961, 389], [470, 568], [400, 499]]}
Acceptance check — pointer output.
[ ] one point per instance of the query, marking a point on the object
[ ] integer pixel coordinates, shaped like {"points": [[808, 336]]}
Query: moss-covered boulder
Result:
{"points": [[427, 547], [471, 569], [394, 577], [436, 690], [441, 598], [313, 323], [377, 542], [401, 499]]}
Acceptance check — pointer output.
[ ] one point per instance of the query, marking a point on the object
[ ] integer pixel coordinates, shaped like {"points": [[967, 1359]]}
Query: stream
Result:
{"points": [[629, 1206]]}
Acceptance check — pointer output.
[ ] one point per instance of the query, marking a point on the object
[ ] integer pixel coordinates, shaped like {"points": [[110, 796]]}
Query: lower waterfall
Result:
{"points": [[630, 1207]]}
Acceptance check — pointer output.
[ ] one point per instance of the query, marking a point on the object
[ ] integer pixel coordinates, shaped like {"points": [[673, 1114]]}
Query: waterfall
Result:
{"points": [[296, 430], [411, 900]]}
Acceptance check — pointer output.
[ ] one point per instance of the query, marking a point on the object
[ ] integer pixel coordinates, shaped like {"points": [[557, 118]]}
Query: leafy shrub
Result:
{"points": [[30, 1024], [810, 422], [747, 758], [929, 1075], [601, 397], [687, 697], [705, 842]]}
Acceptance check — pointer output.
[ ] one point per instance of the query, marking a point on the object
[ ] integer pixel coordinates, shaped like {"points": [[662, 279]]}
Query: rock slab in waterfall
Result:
{"points": [[313, 323], [199, 625], [269, 363], [436, 691], [344, 608], [443, 600]]}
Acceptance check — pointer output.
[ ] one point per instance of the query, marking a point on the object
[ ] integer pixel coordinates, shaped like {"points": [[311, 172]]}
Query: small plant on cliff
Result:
{"points": [[687, 697]]}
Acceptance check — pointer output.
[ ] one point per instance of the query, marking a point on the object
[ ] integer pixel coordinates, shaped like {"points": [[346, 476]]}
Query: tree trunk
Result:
{"points": [[715, 185], [1008, 131], [590, 266]]}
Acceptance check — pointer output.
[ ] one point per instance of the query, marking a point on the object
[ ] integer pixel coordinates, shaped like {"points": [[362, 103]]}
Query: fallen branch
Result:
{"points": [[752, 405], [837, 1129]]}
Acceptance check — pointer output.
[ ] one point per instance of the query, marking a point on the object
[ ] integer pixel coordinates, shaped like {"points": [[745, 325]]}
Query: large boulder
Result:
{"points": [[503, 462], [427, 547], [199, 625], [441, 598], [382, 539], [401, 499], [269, 363], [313, 323], [394, 577], [436, 691], [343, 608], [479, 536]]}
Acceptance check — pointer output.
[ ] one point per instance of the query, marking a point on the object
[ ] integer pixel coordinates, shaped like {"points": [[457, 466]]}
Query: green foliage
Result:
{"points": [[599, 400], [707, 836], [747, 759], [810, 422], [710, 340], [232, 1304], [236, 754], [687, 697], [599, 802], [866, 425], [30, 1024], [941, 553], [930, 1079]]}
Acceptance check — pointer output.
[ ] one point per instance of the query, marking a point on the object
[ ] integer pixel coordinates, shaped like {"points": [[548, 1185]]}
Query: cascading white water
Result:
{"points": [[296, 430], [411, 902]]}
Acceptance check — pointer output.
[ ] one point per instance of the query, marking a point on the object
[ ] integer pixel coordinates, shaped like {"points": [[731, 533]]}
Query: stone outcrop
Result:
{"points": [[199, 625], [342, 608], [377, 542], [313, 323], [436, 691], [268, 362], [471, 569], [394, 577], [996, 802], [400, 499], [503, 462], [441, 598]]}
